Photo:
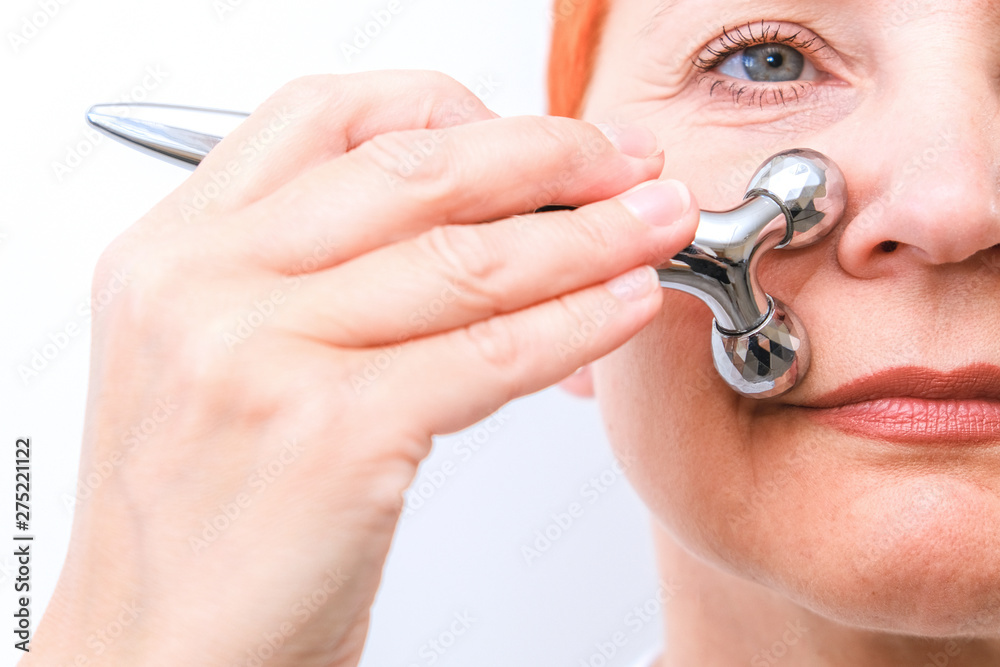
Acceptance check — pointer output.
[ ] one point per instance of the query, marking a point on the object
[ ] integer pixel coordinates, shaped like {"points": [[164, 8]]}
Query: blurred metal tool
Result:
{"points": [[176, 134]]}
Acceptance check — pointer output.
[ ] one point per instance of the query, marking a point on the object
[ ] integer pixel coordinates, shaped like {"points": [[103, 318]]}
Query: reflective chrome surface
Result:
{"points": [[767, 361], [717, 267], [810, 188], [759, 347], [179, 135]]}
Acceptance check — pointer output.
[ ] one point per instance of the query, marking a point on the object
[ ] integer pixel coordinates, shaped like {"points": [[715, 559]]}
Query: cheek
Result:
{"points": [[674, 424], [730, 478]]}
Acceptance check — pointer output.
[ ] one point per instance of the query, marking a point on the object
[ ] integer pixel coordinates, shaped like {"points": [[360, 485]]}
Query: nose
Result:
{"points": [[927, 195]]}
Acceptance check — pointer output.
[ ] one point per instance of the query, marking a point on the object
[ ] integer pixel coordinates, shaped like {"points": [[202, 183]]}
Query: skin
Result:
{"points": [[886, 554]]}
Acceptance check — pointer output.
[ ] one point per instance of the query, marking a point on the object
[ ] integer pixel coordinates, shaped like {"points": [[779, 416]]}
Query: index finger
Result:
{"points": [[314, 119]]}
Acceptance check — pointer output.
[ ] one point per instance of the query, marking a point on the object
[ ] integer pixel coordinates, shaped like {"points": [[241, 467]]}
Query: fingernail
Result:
{"points": [[658, 203], [635, 284], [632, 140]]}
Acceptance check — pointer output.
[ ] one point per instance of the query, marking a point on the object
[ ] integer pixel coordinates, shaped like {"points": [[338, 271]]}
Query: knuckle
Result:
{"points": [[598, 229], [467, 258], [550, 135], [453, 104], [548, 139], [441, 91], [444, 100], [418, 159], [383, 151], [312, 87], [582, 322], [567, 142], [306, 92], [575, 312], [309, 101], [438, 82], [494, 341]]}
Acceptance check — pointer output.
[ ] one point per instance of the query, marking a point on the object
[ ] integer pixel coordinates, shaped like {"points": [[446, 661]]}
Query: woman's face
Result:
{"points": [[885, 513]]}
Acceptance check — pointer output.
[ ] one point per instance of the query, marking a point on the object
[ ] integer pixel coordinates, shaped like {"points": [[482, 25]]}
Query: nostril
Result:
{"points": [[888, 246]]}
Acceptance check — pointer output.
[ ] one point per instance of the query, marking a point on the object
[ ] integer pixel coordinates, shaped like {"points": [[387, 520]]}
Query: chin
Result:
{"points": [[908, 553], [918, 554]]}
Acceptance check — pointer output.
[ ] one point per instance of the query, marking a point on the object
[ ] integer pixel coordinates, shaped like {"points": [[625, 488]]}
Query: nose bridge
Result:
{"points": [[942, 174], [945, 99], [932, 183]]}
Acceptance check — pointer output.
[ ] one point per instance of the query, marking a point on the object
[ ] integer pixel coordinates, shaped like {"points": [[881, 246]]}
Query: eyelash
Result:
{"points": [[734, 40]]}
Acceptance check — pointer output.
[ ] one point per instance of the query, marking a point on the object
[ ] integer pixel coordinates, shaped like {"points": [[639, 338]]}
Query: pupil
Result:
{"points": [[775, 60]]}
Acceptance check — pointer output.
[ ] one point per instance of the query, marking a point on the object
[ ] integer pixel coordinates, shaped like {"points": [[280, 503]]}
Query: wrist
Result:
{"points": [[91, 620]]}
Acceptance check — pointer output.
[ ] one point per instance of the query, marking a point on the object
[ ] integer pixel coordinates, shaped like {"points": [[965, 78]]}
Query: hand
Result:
{"points": [[352, 271]]}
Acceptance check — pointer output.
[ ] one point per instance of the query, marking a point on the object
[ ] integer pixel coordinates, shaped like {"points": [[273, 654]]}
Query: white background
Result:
{"points": [[461, 552]]}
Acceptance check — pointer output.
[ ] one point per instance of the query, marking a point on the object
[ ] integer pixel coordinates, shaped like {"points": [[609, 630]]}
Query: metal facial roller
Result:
{"points": [[758, 345]]}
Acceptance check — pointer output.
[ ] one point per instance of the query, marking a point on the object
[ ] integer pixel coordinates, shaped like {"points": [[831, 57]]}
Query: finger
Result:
{"points": [[455, 379], [381, 192], [454, 275], [314, 119]]}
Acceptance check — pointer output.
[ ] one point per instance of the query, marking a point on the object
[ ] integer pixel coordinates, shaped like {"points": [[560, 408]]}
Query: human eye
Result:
{"points": [[761, 64]]}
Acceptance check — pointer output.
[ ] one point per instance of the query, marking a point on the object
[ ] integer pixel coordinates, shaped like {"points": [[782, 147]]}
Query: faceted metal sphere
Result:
{"points": [[767, 361], [811, 189]]}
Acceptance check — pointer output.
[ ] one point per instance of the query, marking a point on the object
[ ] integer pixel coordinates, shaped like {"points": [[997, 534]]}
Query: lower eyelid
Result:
{"points": [[756, 94]]}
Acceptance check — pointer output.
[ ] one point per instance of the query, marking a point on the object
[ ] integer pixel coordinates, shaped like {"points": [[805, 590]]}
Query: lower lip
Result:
{"points": [[917, 421]]}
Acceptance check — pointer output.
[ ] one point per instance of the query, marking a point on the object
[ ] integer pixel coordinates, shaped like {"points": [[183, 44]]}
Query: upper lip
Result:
{"points": [[976, 381]]}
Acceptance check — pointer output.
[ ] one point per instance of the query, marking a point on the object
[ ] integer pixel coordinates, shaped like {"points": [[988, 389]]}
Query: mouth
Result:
{"points": [[914, 405]]}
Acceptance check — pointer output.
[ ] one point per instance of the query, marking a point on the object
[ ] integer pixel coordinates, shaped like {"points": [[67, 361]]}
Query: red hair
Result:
{"points": [[578, 25]]}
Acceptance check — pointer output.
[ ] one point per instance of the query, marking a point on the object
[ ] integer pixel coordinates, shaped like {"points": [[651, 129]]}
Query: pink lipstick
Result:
{"points": [[916, 405]]}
